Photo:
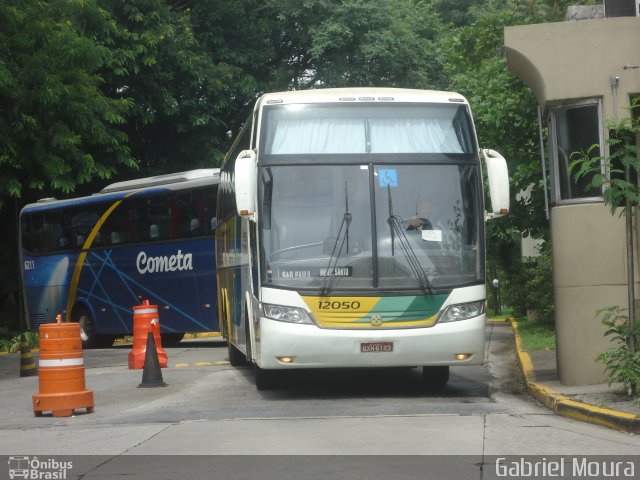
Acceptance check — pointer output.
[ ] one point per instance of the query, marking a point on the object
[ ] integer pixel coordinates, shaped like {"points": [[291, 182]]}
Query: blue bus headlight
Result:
{"points": [[462, 311], [285, 314]]}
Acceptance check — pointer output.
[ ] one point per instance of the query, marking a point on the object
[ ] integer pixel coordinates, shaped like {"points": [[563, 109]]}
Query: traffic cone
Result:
{"points": [[28, 367], [151, 374]]}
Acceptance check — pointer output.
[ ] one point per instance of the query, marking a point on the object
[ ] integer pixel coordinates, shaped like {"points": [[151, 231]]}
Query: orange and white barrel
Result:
{"points": [[145, 320], [61, 380]]}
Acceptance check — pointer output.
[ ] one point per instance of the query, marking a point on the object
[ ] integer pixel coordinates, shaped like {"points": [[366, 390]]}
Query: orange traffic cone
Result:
{"points": [[145, 321], [61, 371]]}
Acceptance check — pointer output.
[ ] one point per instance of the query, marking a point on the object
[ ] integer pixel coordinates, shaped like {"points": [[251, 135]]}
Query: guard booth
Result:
{"points": [[583, 72]]}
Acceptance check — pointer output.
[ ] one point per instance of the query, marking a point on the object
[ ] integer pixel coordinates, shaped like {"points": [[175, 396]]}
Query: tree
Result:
{"points": [[505, 112], [330, 43], [160, 66], [57, 128]]}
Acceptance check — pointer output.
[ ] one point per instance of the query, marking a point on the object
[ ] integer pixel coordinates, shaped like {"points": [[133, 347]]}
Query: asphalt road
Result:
{"points": [[210, 408]]}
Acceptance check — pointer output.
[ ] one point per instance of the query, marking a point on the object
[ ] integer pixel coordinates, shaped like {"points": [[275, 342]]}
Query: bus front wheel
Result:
{"points": [[87, 330], [88, 333], [171, 339], [265, 379], [435, 376], [236, 357]]}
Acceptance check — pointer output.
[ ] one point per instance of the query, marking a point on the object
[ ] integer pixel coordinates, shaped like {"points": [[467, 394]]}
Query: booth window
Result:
{"points": [[574, 128]]}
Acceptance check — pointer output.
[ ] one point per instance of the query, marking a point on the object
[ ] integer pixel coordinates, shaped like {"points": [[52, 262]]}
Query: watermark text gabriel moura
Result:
{"points": [[564, 467]]}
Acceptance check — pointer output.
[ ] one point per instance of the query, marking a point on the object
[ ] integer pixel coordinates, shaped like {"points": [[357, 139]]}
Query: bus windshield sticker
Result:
{"points": [[388, 177], [432, 235]]}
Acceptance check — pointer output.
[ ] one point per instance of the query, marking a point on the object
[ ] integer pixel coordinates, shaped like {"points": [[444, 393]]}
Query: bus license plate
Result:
{"points": [[374, 347]]}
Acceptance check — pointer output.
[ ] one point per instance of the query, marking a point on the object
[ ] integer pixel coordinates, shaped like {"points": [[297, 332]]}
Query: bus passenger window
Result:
{"points": [[194, 227], [152, 218]]}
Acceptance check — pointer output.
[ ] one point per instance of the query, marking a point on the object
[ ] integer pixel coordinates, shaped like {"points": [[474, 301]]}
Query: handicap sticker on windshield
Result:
{"points": [[388, 177]]}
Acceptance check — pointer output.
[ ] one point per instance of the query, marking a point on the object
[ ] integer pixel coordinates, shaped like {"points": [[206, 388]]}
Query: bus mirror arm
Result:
{"points": [[245, 183], [498, 179]]}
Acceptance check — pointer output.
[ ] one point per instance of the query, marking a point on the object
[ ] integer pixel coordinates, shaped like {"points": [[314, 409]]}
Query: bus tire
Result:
{"points": [[87, 328], [435, 376], [171, 339], [236, 357], [104, 341], [265, 379]]}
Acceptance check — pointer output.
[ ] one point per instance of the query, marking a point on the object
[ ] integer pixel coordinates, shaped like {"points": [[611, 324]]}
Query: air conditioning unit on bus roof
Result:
{"points": [[158, 180]]}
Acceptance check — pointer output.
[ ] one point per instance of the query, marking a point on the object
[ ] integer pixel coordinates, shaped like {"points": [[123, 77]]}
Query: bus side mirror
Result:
{"points": [[246, 180], [498, 178]]}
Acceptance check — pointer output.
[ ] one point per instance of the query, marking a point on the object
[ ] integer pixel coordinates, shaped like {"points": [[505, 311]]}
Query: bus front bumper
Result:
{"points": [[285, 345]]}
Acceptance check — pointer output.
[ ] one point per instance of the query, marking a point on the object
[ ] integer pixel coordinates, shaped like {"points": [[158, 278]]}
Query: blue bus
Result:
{"points": [[91, 259]]}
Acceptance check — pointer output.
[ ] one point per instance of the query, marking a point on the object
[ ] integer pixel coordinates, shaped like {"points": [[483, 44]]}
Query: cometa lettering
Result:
{"points": [[179, 261]]}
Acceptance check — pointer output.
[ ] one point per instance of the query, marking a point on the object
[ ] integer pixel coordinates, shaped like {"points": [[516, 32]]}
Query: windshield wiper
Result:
{"points": [[268, 196], [395, 225], [336, 251]]}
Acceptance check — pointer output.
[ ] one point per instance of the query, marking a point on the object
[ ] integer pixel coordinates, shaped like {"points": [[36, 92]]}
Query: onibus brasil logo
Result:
{"points": [[38, 469]]}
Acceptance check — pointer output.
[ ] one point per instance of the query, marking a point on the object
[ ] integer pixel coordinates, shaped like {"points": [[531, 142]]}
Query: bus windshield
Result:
{"points": [[362, 128], [363, 226]]}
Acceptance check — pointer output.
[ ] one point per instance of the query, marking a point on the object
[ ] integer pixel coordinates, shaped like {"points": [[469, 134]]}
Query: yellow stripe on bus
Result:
{"points": [[73, 288]]}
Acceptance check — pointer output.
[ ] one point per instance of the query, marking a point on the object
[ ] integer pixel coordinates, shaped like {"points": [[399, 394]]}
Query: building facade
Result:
{"points": [[583, 74]]}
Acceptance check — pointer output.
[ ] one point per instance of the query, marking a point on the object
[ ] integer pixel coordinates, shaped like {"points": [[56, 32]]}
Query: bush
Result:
{"points": [[11, 342], [529, 286], [621, 364]]}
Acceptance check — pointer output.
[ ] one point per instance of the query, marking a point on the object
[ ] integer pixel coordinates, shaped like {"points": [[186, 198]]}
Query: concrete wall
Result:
{"points": [[589, 273]]}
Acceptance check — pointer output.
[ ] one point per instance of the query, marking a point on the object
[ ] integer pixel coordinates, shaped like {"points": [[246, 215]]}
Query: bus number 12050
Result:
{"points": [[344, 305]]}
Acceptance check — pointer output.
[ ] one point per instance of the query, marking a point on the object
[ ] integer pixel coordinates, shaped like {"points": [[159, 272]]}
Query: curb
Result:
{"points": [[201, 335], [562, 405]]}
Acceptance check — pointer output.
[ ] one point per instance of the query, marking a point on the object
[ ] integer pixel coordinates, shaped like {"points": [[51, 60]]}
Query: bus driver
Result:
{"points": [[421, 220]]}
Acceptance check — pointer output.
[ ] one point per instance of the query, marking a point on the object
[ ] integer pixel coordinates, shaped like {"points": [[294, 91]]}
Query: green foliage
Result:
{"points": [[161, 67], [505, 113], [11, 342], [504, 108], [537, 336], [57, 128], [623, 154], [92, 89], [337, 43], [529, 286], [621, 364]]}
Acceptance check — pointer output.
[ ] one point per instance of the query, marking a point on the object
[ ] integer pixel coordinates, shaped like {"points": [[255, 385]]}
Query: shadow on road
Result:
{"points": [[369, 382]]}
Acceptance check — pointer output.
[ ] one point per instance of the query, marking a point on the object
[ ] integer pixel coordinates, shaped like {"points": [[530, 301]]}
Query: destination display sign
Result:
{"points": [[312, 272]]}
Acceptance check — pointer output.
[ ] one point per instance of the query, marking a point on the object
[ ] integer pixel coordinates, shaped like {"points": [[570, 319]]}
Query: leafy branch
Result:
{"points": [[623, 155], [621, 364]]}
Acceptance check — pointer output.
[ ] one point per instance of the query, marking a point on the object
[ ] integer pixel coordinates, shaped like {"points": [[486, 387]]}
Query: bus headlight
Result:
{"points": [[285, 314], [462, 311]]}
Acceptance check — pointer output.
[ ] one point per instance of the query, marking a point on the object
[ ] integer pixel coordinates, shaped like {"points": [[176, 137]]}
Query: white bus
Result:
{"points": [[351, 233]]}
